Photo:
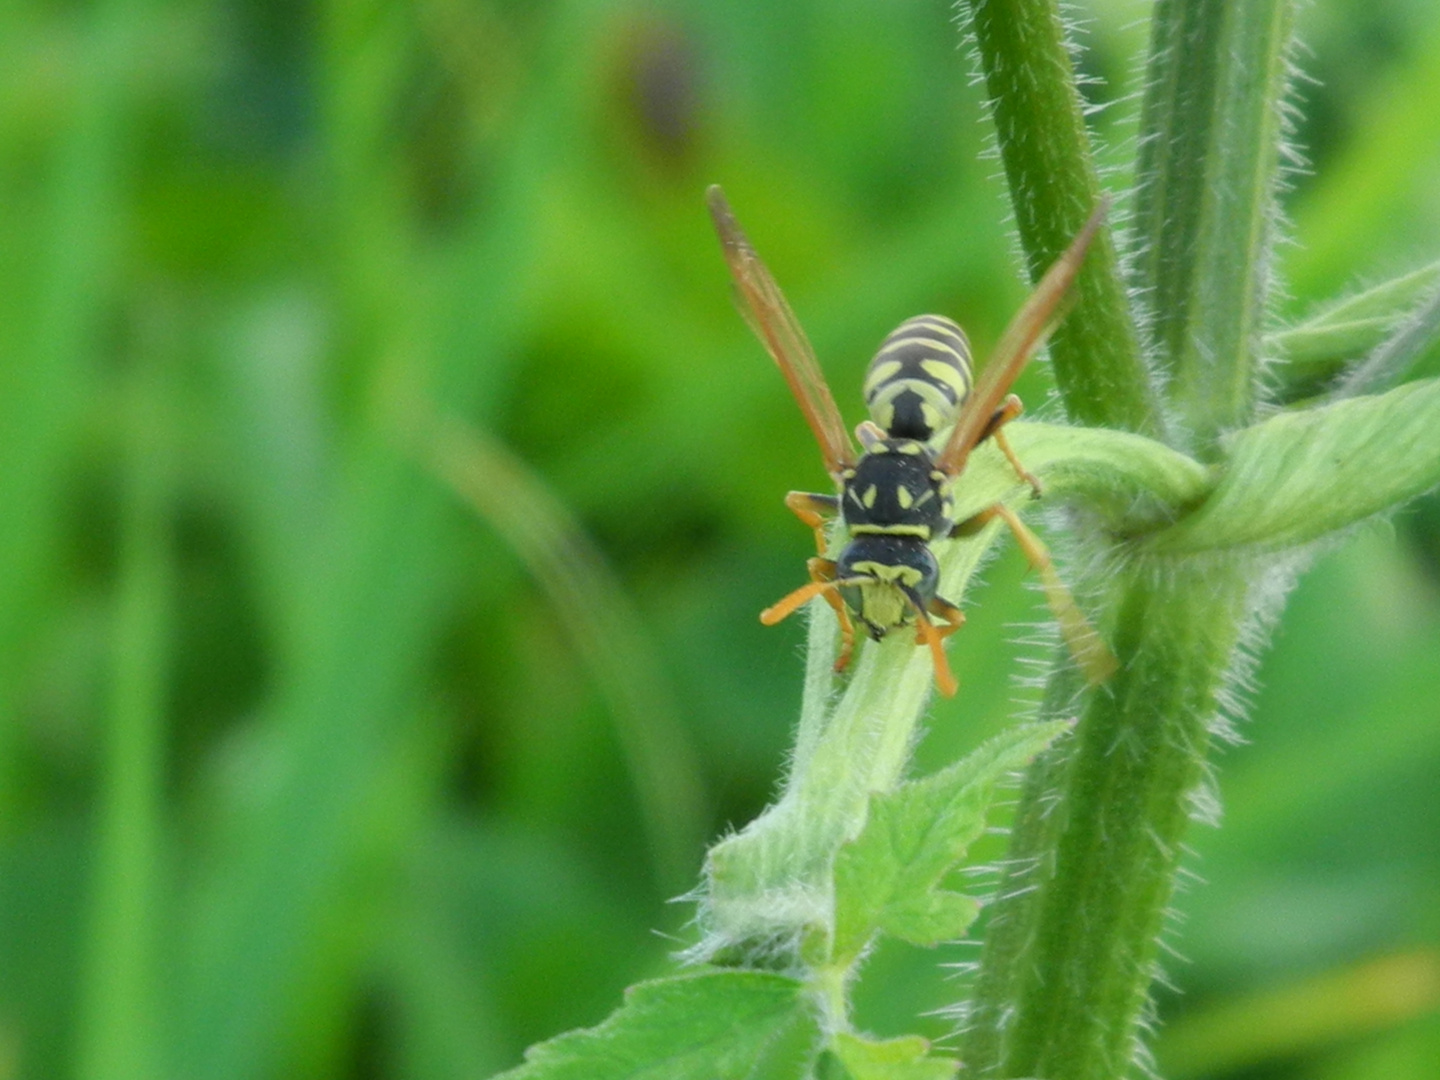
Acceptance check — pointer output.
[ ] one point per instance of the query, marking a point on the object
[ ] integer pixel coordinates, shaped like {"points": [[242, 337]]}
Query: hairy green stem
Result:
{"points": [[767, 891], [1210, 137], [1070, 953], [1071, 948], [1054, 185]]}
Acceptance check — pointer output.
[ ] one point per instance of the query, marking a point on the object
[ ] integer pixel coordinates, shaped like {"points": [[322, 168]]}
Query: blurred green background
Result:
{"points": [[309, 770]]}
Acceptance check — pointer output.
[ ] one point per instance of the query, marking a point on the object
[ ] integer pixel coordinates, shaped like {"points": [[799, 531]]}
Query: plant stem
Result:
{"points": [[1071, 947], [1054, 185], [1070, 951], [1210, 137]]}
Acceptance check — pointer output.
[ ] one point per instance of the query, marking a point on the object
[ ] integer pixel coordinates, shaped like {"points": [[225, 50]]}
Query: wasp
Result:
{"points": [[896, 497]]}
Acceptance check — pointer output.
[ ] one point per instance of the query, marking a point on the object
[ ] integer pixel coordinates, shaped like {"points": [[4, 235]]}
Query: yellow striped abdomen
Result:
{"points": [[919, 378]]}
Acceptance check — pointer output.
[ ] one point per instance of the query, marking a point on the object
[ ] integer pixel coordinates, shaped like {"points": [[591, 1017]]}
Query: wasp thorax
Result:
{"points": [[896, 490], [919, 378]]}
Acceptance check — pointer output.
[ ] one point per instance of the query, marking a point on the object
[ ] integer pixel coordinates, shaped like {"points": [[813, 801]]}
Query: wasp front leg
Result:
{"points": [[823, 582], [812, 510], [927, 633], [1009, 409], [953, 616]]}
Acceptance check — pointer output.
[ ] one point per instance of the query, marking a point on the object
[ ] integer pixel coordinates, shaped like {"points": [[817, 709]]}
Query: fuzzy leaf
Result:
{"points": [[905, 1058], [1297, 476], [1128, 481], [1397, 355], [886, 879], [713, 1025], [1349, 328]]}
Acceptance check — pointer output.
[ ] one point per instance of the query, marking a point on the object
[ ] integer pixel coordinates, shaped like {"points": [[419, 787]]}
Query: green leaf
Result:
{"points": [[711, 1025], [887, 878], [1397, 355], [905, 1058], [1129, 482], [1297, 476], [1349, 328]]}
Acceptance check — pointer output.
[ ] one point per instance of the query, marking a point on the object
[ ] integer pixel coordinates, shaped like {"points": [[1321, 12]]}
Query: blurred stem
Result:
{"points": [[1210, 137], [43, 381], [118, 1039], [1054, 185], [605, 629]]}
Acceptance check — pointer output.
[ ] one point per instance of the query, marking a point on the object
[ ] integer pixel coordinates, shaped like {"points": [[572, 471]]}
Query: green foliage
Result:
{"points": [[886, 878], [726, 1025], [893, 1059], [1344, 330], [1298, 476], [307, 770]]}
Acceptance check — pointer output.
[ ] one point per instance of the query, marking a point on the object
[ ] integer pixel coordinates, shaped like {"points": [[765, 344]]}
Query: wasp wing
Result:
{"points": [[764, 307], [1027, 331]]}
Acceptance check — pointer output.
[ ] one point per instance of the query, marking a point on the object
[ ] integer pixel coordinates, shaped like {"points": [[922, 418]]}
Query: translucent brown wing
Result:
{"points": [[1027, 330], [765, 309]]}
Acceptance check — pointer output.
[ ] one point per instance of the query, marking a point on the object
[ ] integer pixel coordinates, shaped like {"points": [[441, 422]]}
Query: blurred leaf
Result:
{"points": [[604, 627], [1393, 358], [1304, 1016], [1344, 329], [121, 1034], [906, 1058], [712, 1025]]}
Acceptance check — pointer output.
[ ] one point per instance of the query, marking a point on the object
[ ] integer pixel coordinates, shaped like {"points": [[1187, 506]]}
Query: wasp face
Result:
{"points": [[898, 574]]}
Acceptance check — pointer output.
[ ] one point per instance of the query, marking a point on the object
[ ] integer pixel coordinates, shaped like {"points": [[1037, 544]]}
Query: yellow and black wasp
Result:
{"points": [[895, 497]]}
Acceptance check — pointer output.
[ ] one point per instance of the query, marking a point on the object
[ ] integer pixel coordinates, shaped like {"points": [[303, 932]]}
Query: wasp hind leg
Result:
{"points": [[811, 509], [1086, 645], [822, 583]]}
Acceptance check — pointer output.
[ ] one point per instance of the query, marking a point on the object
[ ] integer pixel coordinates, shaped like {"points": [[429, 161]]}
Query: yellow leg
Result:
{"points": [[953, 616], [1009, 410], [824, 570], [822, 583], [1084, 642], [929, 635], [811, 509]]}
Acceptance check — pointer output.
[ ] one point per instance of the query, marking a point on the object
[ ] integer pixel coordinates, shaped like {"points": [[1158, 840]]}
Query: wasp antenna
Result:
{"points": [[782, 609]]}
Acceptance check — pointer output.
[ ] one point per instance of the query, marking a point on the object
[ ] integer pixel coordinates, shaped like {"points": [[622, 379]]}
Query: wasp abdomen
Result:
{"points": [[919, 378]]}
